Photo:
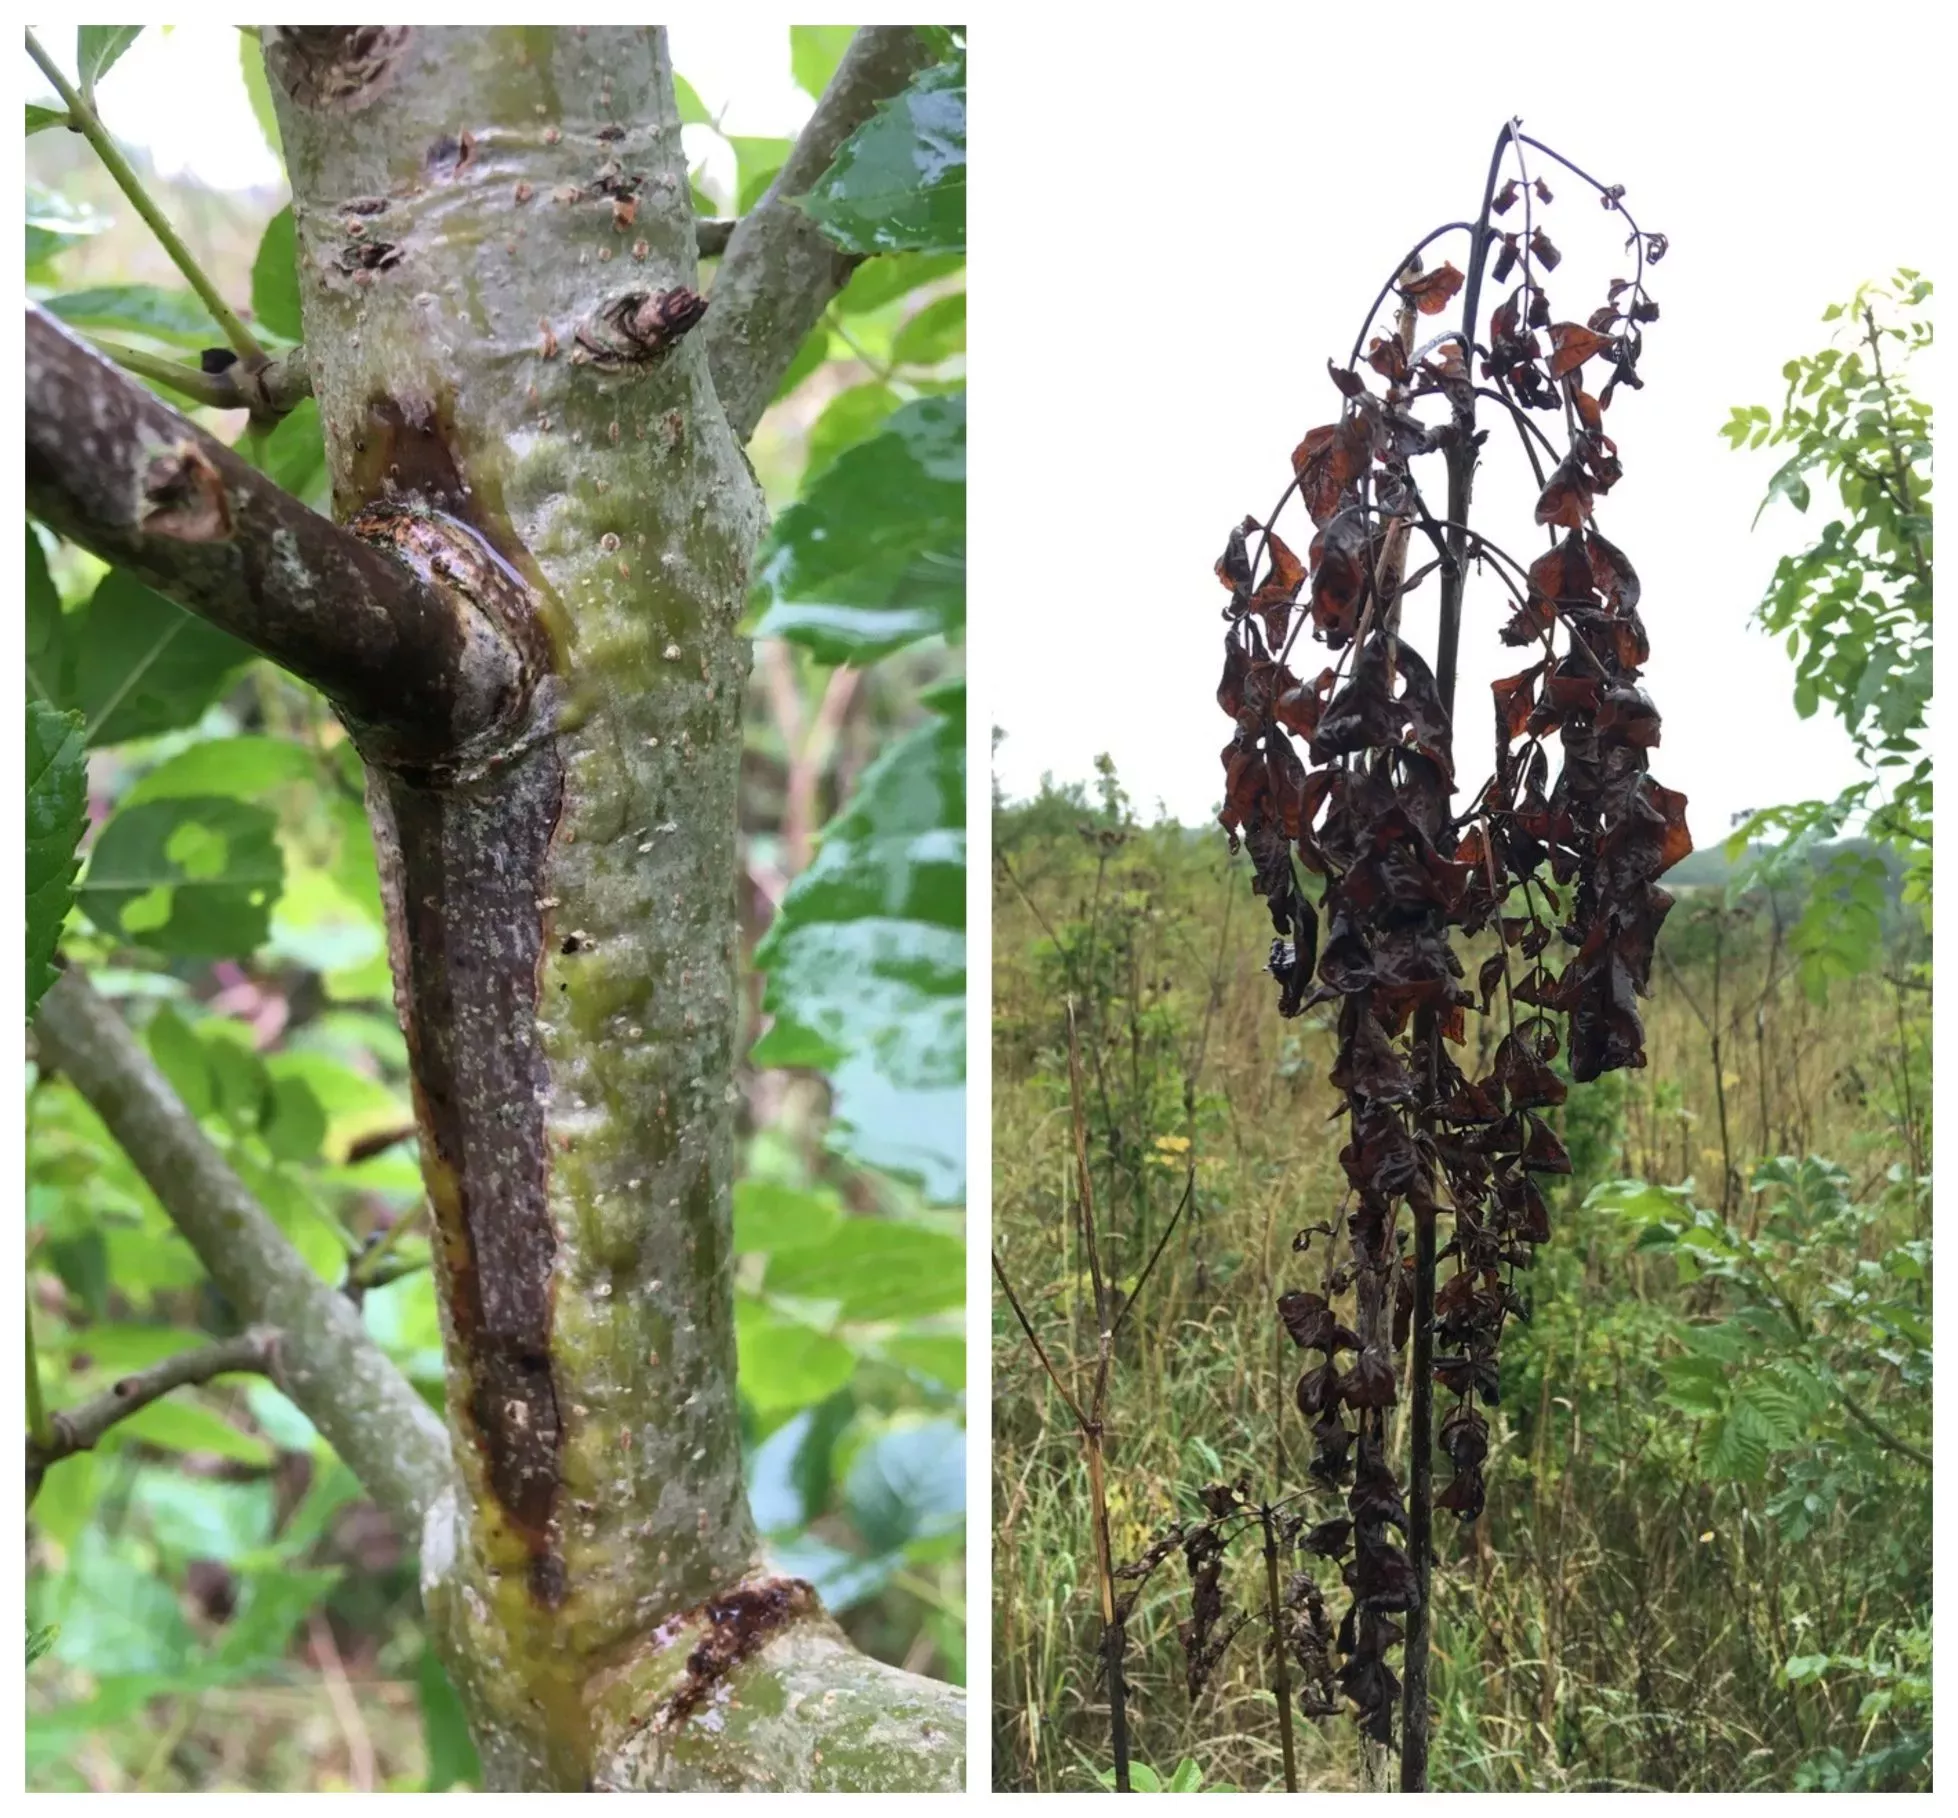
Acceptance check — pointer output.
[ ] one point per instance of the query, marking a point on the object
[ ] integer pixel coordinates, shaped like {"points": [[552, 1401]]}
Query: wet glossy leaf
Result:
{"points": [[872, 557], [57, 813], [898, 183]]}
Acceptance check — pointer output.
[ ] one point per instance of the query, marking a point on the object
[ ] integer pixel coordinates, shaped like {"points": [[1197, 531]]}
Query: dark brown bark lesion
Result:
{"points": [[462, 871]]}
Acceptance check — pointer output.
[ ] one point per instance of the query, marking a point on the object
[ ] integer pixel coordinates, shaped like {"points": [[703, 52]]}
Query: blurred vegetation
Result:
{"points": [[211, 1602], [1705, 1562]]}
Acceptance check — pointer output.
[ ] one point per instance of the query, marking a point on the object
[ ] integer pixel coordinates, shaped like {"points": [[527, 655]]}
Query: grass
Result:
{"points": [[1622, 1613]]}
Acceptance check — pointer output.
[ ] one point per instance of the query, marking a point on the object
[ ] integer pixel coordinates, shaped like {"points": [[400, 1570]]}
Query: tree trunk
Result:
{"points": [[497, 258], [497, 268]]}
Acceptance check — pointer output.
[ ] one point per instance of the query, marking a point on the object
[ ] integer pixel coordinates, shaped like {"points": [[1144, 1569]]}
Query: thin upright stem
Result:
{"points": [[1084, 1190], [84, 120], [1162, 1243], [1420, 1500], [1113, 1634], [1281, 1666]]}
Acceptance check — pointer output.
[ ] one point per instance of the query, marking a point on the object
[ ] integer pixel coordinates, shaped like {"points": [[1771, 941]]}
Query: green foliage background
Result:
{"points": [[211, 1603]]}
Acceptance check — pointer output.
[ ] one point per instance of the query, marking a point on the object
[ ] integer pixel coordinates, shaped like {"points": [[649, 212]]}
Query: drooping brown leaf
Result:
{"points": [[1615, 577], [1432, 291], [1308, 1319], [1370, 1382], [1388, 357], [1230, 690], [1571, 346], [1327, 462], [1278, 590], [1515, 697], [1566, 500], [1350, 384], [1339, 579]]}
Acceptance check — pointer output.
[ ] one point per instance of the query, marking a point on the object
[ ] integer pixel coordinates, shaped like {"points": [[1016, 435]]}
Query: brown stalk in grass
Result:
{"points": [[1090, 1422]]}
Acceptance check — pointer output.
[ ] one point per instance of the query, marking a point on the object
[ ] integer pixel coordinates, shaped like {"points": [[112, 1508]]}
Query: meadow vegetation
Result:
{"points": [[1705, 1559]]}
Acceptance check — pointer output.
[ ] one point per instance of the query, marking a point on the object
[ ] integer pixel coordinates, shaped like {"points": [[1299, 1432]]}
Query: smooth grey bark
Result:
{"points": [[339, 1378]]}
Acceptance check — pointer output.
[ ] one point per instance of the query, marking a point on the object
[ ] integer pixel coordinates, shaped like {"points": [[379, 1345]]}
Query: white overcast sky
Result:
{"points": [[1202, 214]]}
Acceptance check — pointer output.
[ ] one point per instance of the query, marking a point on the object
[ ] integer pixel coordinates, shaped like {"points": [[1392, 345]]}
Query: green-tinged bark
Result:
{"points": [[497, 261]]}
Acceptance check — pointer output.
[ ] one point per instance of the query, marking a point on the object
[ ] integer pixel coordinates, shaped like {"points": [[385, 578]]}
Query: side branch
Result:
{"points": [[116, 470], [344, 1383], [80, 1429], [780, 271]]}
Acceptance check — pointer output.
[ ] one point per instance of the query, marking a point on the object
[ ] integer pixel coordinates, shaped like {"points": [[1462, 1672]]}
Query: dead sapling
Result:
{"points": [[1409, 878]]}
